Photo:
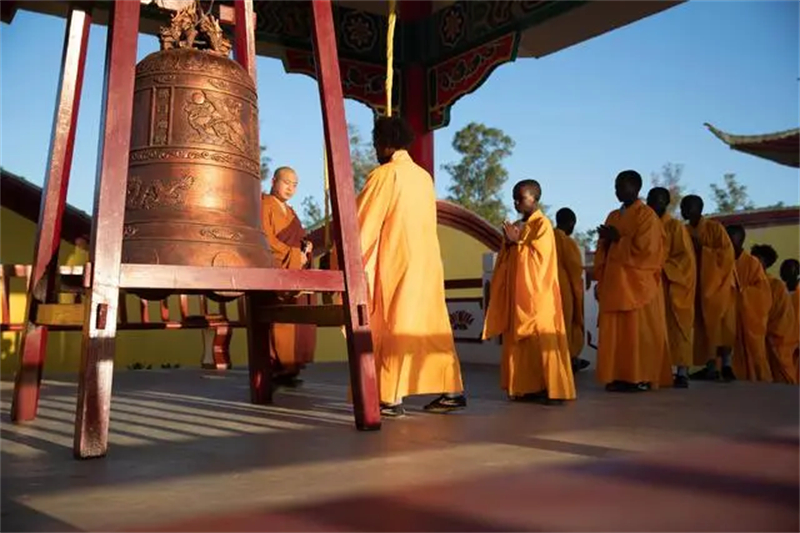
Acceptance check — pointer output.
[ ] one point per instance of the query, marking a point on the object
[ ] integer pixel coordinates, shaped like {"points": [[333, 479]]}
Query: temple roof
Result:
{"points": [[25, 198], [544, 27], [782, 147]]}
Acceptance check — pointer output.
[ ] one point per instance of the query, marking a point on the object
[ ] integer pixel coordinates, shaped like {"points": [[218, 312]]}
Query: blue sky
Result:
{"points": [[633, 98]]}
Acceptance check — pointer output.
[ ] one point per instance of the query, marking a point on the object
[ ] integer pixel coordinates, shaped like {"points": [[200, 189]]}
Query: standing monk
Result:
{"points": [[753, 302], [790, 274], [715, 307], [413, 341], [679, 278], [570, 279], [525, 307], [632, 334], [291, 345], [782, 321]]}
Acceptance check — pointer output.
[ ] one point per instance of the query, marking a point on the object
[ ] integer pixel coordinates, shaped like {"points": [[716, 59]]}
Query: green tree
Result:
{"points": [[265, 162], [312, 214], [731, 196], [478, 178], [670, 179], [362, 156], [586, 239], [363, 160]]}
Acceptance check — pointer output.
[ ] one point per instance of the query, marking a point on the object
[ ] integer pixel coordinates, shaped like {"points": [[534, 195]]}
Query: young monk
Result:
{"points": [[632, 335], [291, 345], [790, 274], [753, 302], [412, 338], [570, 279], [678, 278], [525, 307], [782, 321], [715, 310]]}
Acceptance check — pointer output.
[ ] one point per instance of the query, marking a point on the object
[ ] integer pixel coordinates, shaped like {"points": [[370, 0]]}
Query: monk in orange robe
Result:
{"points": [[753, 302], [782, 321], [291, 345], [632, 352], [570, 279], [715, 300], [678, 278], [525, 307], [412, 337], [790, 274]]}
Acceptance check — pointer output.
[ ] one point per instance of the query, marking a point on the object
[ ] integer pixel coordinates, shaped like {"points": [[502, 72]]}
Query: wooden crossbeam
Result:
{"points": [[191, 278], [60, 315], [321, 315]]}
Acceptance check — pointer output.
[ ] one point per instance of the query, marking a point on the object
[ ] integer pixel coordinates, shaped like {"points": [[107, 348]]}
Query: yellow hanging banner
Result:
{"points": [[327, 230], [390, 55]]}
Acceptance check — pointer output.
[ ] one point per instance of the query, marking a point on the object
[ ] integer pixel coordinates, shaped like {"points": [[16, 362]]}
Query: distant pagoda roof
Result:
{"points": [[782, 147]]}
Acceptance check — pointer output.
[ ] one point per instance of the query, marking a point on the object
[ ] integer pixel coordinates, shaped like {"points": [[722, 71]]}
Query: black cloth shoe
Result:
{"points": [[680, 382], [392, 411], [727, 374], [446, 404], [579, 364], [705, 374]]}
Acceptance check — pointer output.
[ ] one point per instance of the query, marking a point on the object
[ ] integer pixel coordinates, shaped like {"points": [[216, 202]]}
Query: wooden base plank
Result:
{"points": [[60, 315], [321, 315], [192, 278]]}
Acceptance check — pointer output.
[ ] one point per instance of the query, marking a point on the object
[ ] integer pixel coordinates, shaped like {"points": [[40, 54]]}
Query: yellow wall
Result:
{"points": [[785, 240], [462, 259]]}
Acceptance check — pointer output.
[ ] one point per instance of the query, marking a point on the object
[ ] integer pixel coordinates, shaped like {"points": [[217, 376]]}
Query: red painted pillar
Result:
{"points": [[415, 91]]}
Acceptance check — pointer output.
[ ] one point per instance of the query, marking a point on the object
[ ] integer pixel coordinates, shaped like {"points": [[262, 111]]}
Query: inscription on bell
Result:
{"points": [[222, 234], [193, 191], [216, 119], [159, 192], [161, 126]]}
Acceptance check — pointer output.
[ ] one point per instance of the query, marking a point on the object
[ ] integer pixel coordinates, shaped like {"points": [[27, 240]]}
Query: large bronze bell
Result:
{"points": [[194, 181]]}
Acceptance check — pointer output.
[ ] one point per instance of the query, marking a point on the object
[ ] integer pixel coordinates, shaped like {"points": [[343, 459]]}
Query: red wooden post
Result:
{"points": [[359, 340], [41, 287], [258, 360], [415, 92], [244, 46], [100, 321]]}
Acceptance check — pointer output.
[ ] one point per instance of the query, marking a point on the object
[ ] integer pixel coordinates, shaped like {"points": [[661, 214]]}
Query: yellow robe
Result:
{"points": [[715, 311], [412, 337], [632, 333], [525, 308], [781, 340], [570, 279], [291, 345], [680, 276], [754, 299]]}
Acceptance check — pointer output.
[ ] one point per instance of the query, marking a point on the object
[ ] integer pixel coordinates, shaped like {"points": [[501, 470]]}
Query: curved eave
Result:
{"points": [[782, 147], [448, 214]]}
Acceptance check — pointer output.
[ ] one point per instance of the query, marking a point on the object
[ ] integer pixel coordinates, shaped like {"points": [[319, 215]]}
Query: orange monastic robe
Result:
{"points": [[412, 338], [715, 312], [291, 345], [680, 277], [781, 334], [753, 302], [570, 279], [525, 308], [632, 332]]}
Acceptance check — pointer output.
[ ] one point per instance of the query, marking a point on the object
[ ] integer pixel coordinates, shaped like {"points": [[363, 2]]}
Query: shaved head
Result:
{"points": [[284, 183]]}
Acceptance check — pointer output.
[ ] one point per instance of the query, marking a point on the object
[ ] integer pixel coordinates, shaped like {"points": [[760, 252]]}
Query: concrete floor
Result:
{"points": [[188, 453]]}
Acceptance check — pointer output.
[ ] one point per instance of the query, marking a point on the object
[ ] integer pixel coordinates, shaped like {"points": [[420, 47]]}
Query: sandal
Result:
{"points": [[445, 404], [392, 411]]}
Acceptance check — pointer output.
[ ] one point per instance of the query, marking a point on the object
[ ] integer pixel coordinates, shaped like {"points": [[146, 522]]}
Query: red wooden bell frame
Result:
{"points": [[105, 275]]}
